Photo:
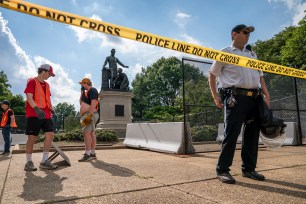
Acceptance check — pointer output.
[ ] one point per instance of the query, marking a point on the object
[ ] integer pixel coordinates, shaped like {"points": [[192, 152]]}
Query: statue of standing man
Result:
{"points": [[113, 70]]}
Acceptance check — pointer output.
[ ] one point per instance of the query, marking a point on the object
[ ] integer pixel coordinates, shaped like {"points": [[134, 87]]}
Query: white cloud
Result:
{"points": [[298, 8], [74, 2], [300, 13], [19, 66], [101, 7], [181, 19], [189, 39]]}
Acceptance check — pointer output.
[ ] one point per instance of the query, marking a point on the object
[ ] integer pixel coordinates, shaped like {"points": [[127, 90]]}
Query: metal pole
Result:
{"points": [[300, 136], [184, 108], [63, 122]]}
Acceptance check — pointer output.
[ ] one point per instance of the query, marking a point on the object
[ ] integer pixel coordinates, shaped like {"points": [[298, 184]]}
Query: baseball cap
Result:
{"points": [[6, 102], [48, 68], [85, 80], [240, 27]]}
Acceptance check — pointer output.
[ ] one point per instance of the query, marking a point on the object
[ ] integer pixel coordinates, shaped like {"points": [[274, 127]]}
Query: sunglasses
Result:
{"points": [[245, 32]]}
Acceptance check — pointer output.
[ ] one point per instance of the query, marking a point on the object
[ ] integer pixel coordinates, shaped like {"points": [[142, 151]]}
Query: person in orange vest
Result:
{"points": [[38, 114], [7, 123], [89, 118]]}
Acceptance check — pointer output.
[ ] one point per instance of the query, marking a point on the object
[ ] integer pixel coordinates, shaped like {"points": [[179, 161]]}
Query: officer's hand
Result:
{"points": [[126, 66], [40, 113], [267, 101]]}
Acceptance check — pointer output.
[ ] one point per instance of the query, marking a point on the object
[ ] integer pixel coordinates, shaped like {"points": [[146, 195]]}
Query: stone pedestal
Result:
{"points": [[115, 111]]}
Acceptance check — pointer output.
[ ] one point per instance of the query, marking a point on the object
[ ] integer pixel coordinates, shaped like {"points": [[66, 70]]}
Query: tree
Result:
{"points": [[293, 53], [166, 113], [66, 117], [273, 50], [285, 48], [17, 101], [140, 90], [4, 86], [270, 50], [159, 86]]}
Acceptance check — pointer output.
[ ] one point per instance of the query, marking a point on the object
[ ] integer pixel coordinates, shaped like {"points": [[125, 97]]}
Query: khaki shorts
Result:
{"points": [[92, 126]]}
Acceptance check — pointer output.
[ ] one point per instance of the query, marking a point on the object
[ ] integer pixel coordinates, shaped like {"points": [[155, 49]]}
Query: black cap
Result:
{"points": [[6, 102], [240, 27]]}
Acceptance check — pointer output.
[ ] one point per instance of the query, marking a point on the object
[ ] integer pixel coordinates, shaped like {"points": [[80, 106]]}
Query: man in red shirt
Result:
{"points": [[38, 114]]}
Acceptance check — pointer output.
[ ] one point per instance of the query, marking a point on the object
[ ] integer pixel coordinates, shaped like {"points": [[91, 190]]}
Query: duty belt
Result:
{"points": [[240, 91], [248, 92]]}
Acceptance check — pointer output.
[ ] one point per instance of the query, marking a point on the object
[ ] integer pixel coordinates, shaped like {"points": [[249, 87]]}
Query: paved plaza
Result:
{"points": [[125, 175]]}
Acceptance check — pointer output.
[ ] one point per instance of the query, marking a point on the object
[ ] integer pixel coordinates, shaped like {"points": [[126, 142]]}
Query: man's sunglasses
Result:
{"points": [[245, 32]]}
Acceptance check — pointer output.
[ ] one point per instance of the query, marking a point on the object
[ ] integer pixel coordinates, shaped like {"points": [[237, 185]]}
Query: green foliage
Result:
{"points": [[40, 138], [270, 50], [285, 48], [204, 133], [197, 92], [165, 113], [76, 135], [106, 135], [71, 123], [4, 85], [66, 116], [18, 104], [294, 52]]}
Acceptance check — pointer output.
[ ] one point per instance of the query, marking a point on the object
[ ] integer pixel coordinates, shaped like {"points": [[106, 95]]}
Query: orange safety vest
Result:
{"points": [[41, 98], [5, 118], [97, 103]]}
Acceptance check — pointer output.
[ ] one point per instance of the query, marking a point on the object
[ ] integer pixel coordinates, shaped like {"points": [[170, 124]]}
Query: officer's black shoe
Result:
{"points": [[253, 175], [226, 178]]}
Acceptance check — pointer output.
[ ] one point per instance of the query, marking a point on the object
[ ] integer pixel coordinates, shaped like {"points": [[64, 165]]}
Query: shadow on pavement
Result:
{"points": [[285, 183], [5, 157], [37, 188], [61, 164], [113, 169], [270, 189]]}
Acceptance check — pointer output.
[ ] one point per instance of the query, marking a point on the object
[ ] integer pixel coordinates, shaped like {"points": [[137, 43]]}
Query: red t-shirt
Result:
{"points": [[30, 112]]}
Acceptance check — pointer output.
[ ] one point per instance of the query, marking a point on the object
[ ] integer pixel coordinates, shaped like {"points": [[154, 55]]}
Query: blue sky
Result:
{"points": [[27, 41]]}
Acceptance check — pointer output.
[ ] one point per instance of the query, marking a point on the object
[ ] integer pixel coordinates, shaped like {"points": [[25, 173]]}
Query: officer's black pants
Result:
{"points": [[245, 111]]}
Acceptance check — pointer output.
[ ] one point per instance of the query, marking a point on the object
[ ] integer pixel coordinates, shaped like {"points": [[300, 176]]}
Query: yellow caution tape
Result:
{"points": [[72, 19]]}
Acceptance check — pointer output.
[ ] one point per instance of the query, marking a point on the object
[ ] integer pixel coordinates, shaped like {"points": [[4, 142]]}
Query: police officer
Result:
{"points": [[241, 87]]}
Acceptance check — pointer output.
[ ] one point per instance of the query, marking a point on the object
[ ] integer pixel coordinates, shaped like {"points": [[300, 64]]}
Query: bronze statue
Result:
{"points": [[121, 82], [109, 75]]}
